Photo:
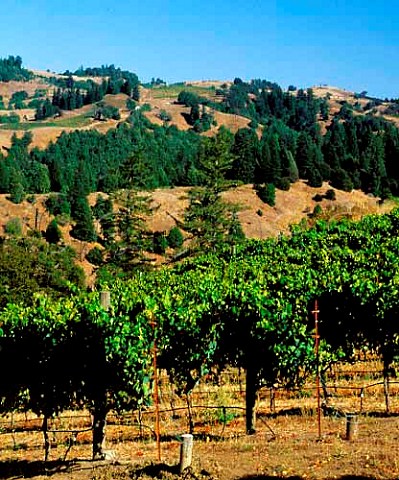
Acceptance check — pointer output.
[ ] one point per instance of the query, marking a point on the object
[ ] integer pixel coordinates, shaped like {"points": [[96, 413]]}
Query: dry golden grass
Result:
{"points": [[284, 446], [178, 112], [8, 88]]}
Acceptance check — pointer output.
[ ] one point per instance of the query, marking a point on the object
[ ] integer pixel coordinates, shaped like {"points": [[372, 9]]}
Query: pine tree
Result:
{"points": [[246, 153], [53, 233], [132, 236], [208, 218], [84, 227]]}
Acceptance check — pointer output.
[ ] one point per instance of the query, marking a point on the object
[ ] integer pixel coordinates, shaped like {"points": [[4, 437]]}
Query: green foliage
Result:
{"points": [[84, 228], [330, 194], [164, 116], [45, 110], [95, 256], [58, 204], [248, 309], [17, 100], [267, 193], [208, 218], [106, 111], [317, 211], [160, 243], [130, 104], [13, 227], [53, 233], [11, 69], [175, 237], [11, 118], [284, 184], [17, 192], [29, 265]]}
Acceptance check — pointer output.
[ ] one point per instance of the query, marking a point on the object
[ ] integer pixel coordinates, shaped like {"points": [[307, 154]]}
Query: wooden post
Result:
{"points": [[351, 426], [186, 451], [105, 299]]}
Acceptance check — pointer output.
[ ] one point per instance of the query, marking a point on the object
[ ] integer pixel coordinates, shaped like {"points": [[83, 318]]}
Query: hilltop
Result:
{"points": [[158, 101]]}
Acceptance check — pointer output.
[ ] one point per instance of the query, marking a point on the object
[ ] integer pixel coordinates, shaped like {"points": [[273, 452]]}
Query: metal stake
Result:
{"points": [[316, 312]]}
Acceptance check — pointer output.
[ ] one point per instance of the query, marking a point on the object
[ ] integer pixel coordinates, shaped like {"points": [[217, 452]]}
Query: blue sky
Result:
{"points": [[348, 43]]}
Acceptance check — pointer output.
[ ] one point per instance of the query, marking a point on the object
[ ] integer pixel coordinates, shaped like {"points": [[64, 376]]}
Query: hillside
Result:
{"points": [[157, 99], [258, 219], [294, 144]]}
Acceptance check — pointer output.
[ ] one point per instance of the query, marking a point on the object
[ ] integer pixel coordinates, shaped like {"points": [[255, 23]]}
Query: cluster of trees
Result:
{"points": [[359, 152], [30, 264], [17, 100], [200, 117], [262, 101], [11, 69], [71, 97], [10, 118], [117, 80], [248, 308]]}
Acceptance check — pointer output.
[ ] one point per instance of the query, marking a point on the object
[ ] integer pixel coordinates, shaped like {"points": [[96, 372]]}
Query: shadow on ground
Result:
{"points": [[26, 469], [294, 477]]}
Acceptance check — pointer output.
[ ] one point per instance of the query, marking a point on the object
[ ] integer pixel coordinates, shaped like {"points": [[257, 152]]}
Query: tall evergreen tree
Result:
{"points": [[246, 155], [84, 227], [208, 218]]}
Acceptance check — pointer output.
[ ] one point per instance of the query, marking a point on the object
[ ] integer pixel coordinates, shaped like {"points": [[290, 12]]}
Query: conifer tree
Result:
{"points": [[84, 226], [208, 218]]}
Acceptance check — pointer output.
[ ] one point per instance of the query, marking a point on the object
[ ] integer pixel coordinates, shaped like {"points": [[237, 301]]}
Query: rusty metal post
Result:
{"points": [[317, 343], [156, 392]]}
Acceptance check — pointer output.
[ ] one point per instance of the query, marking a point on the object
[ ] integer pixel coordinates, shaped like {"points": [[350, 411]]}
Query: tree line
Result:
{"points": [[11, 69]]}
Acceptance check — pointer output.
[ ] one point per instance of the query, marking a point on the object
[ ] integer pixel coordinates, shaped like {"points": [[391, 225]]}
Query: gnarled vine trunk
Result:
{"points": [[99, 422], [250, 399]]}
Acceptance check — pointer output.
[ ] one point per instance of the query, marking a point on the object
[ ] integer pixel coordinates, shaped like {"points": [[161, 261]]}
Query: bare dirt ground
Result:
{"points": [[295, 452], [287, 443]]}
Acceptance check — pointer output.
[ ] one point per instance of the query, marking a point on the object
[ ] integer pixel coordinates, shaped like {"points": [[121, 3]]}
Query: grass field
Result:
{"points": [[172, 91], [77, 121]]}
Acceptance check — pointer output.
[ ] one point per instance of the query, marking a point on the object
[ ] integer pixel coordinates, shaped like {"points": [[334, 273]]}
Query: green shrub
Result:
{"points": [[330, 194], [267, 193], [58, 204], [175, 238], [318, 197], [317, 211], [283, 183], [95, 256], [159, 243], [164, 116], [13, 227], [53, 233], [12, 118], [130, 104]]}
